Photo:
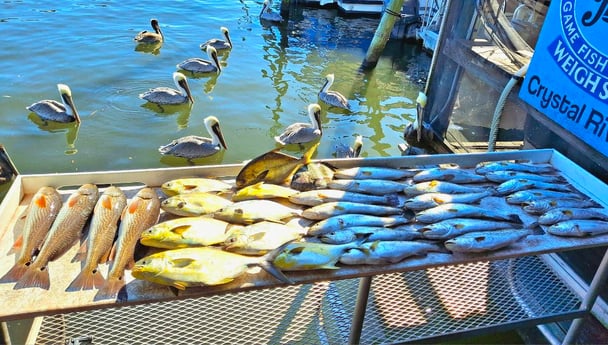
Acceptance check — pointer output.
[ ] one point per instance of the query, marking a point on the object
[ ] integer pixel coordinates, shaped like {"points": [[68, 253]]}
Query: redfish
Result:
{"points": [[66, 230], [140, 214], [42, 211], [104, 224]]}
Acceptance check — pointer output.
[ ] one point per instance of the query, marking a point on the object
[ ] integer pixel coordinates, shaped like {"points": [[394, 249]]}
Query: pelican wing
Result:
{"points": [[164, 95], [197, 65], [190, 147], [50, 110], [298, 133]]}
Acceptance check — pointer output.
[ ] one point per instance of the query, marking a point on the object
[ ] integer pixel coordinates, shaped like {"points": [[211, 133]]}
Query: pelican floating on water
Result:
{"points": [[193, 146], [54, 111], [299, 132], [268, 15], [166, 95], [345, 151], [198, 65], [217, 43], [333, 98], [150, 37]]}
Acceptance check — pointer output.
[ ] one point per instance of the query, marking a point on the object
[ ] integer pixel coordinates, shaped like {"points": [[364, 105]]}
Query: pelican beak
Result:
{"points": [[216, 60], [184, 84], [216, 129], [70, 103]]}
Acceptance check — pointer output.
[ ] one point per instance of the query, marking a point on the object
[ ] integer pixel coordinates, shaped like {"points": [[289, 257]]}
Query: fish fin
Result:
{"points": [[179, 285], [479, 238], [266, 263], [296, 251], [110, 289], [392, 199], [514, 218], [306, 158], [258, 236], [449, 177], [81, 254], [438, 200], [180, 230], [34, 277], [86, 280], [112, 253], [18, 243], [105, 257], [182, 262], [259, 178], [15, 273]]}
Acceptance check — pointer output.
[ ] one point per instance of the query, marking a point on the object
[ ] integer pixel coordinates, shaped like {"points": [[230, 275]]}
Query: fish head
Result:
{"points": [[236, 239]]}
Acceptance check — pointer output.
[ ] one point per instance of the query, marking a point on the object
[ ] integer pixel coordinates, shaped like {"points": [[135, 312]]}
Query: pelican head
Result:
{"points": [[420, 105], [150, 37], [314, 112], [182, 84], [68, 102], [226, 34], [213, 127], [212, 53]]}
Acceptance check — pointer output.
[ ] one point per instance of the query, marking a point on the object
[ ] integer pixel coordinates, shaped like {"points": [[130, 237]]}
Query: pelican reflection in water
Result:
{"points": [[193, 146], [198, 65], [268, 15], [165, 95], [147, 37], [219, 44], [52, 110], [333, 98], [299, 132]]}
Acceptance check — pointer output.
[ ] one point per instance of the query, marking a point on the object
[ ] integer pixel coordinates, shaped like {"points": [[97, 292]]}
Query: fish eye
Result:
{"points": [[181, 204]]}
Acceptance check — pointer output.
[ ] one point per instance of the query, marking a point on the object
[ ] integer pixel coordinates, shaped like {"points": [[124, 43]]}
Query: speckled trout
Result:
{"points": [[64, 233], [41, 213]]}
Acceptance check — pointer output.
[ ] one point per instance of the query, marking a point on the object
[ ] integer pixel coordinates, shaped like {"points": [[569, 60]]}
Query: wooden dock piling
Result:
{"points": [[391, 14]]}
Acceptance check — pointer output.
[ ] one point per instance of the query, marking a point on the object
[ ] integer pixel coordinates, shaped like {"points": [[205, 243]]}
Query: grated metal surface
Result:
{"points": [[402, 307]]}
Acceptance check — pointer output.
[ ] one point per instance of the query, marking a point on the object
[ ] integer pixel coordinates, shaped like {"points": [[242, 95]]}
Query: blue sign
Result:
{"points": [[568, 76]]}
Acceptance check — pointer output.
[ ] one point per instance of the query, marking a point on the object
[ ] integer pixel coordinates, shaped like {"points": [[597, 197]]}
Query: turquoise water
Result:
{"points": [[268, 80]]}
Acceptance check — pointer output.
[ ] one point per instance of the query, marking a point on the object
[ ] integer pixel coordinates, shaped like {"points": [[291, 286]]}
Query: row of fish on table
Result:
{"points": [[283, 213], [193, 146]]}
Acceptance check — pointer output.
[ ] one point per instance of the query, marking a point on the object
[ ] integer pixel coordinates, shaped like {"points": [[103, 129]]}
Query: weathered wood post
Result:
{"points": [[392, 12]]}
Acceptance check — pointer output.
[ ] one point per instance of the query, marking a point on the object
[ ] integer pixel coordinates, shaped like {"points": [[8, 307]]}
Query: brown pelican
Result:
{"points": [[299, 132], [198, 65], [268, 15], [54, 111], [150, 37], [193, 146], [413, 131], [345, 151], [217, 43], [166, 95], [330, 97]]}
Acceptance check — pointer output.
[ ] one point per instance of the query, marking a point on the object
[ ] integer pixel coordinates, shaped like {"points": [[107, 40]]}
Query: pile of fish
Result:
{"points": [[52, 227], [283, 213]]}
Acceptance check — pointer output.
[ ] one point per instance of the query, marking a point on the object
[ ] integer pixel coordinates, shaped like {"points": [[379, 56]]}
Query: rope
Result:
{"points": [[392, 13]]}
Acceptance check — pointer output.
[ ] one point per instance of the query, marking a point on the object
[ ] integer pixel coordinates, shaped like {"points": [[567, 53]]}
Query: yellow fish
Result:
{"points": [[198, 266], [194, 204], [260, 238], [186, 232], [273, 167], [194, 184], [263, 190]]}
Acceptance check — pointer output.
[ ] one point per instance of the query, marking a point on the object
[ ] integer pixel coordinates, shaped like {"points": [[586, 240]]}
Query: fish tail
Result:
{"points": [[15, 273], [306, 158], [266, 263], [110, 289], [34, 277], [87, 279]]}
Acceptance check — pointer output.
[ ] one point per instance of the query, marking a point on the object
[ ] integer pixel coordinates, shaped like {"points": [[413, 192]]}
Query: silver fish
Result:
{"points": [[380, 173], [428, 200], [544, 205], [483, 241], [455, 210], [486, 167], [251, 211], [387, 252], [435, 186], [579, 228], [451, 228], [297, 256], [515, 185], [369, 186], [335, 208], [344, 221], [505, 175], [406, 232], [319, 196], [454, 175], [528, 195], [567, 213]]}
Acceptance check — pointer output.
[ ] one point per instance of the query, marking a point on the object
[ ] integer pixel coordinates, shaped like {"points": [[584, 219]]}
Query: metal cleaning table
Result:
{"points": [[332, 291]]}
